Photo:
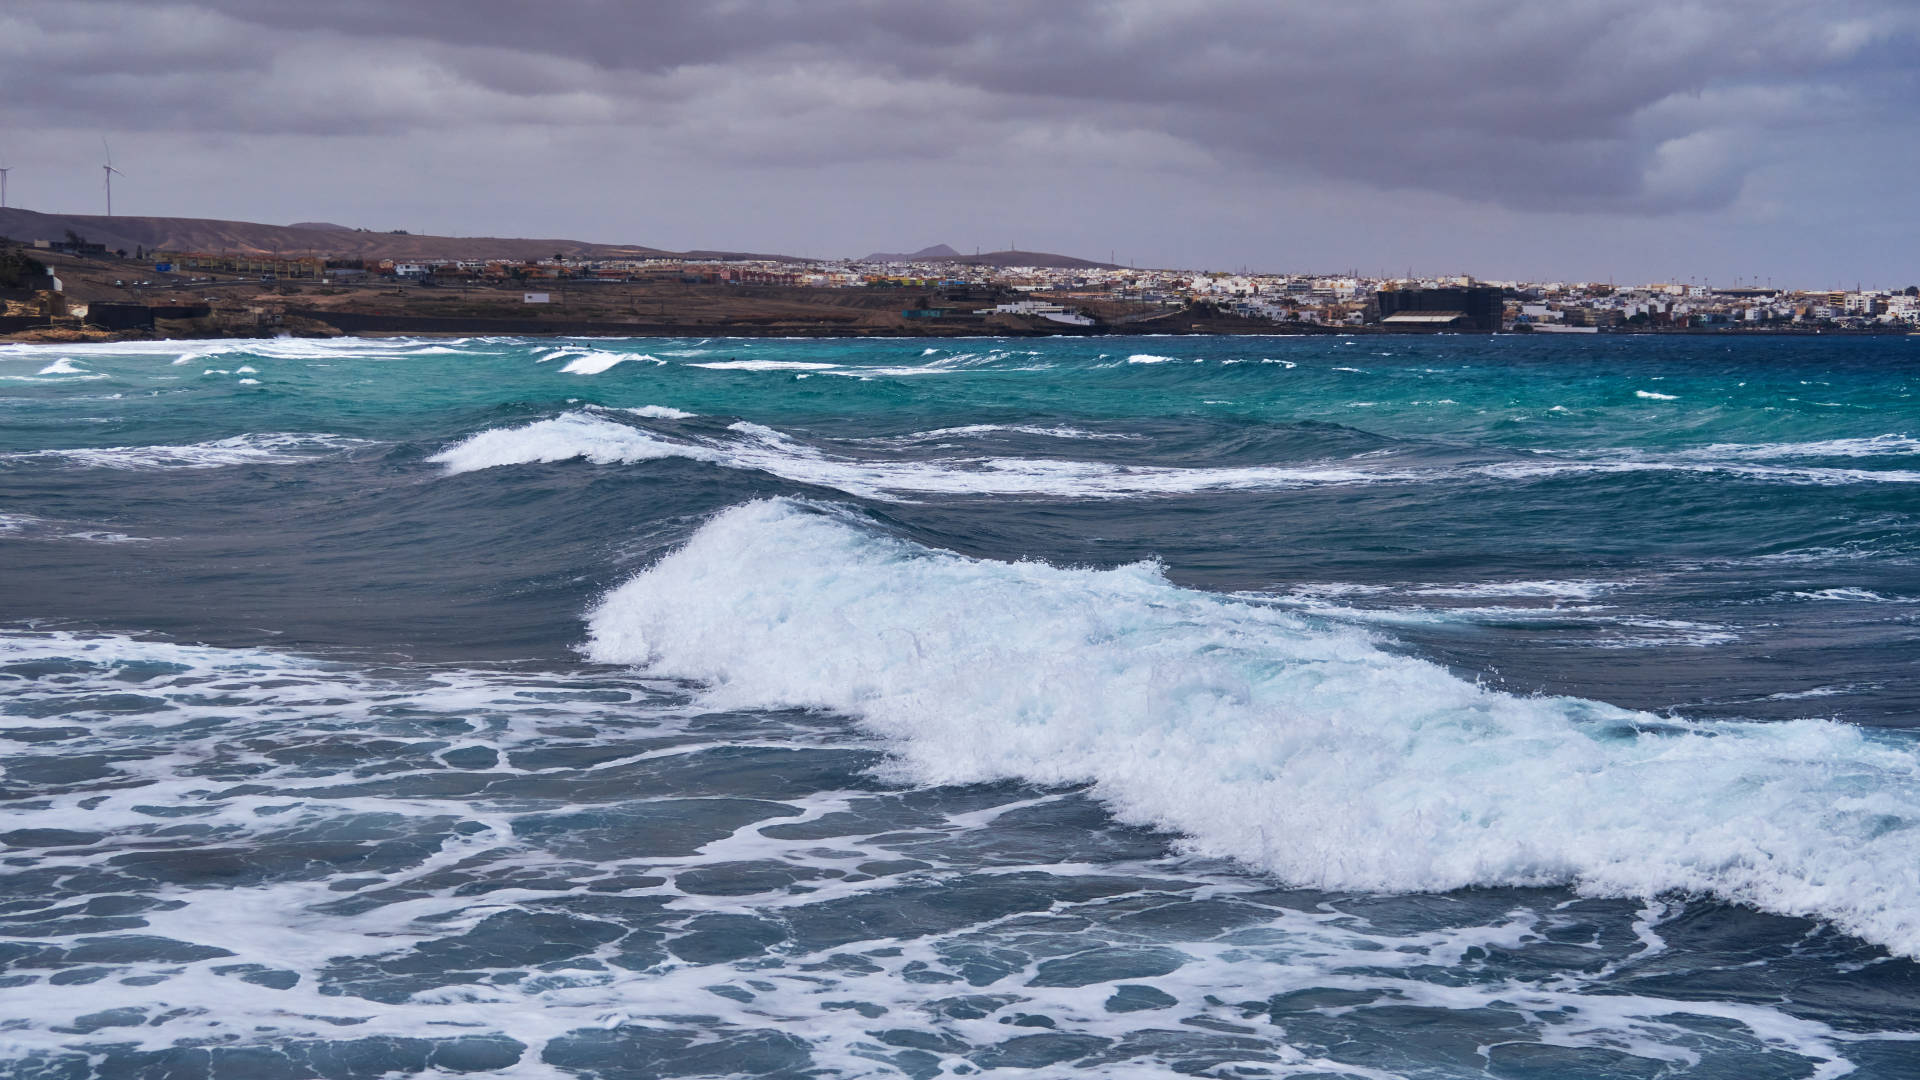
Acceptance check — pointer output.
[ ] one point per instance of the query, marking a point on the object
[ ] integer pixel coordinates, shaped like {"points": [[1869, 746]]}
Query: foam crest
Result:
{"points": [[763, 449], [1265, 736], [595, 361], [570, 435], [1872, 446], [1061, 431], [266, 448]]}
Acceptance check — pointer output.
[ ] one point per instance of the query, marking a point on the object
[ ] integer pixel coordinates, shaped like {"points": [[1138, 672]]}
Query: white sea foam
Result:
{"points": [[1652, 396], [756, 447], [1265, 736], [1521, 470], [64, 366], [660, 412], [1551, 590], [1818, 692], [765, 365], [1851, 595], [249, 382], [1873, 446], [1149, 358], [269, 448], [968, 430]]}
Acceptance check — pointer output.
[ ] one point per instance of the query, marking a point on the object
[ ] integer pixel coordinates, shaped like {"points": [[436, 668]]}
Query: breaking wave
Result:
{"points": [[1304, 749]]}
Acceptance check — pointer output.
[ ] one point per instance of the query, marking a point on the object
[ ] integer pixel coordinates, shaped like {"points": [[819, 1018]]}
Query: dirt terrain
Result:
{"points": [[249, 306]]}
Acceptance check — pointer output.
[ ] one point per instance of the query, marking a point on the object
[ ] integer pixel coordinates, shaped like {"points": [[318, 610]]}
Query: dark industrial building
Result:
{"points": [[119, 316], [1476, 309], [139, 316]]}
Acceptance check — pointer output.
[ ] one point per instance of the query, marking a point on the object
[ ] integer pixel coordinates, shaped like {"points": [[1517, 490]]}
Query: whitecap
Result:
{"points": [[593, 362], [1872, 446], [1850, 595]]}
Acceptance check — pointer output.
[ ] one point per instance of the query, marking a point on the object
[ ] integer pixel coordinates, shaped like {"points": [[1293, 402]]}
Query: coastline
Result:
{"points": [[311, 323]]}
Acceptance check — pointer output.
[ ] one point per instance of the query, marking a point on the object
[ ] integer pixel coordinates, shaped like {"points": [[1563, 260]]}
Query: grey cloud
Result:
{"points": [[1603, 105]]}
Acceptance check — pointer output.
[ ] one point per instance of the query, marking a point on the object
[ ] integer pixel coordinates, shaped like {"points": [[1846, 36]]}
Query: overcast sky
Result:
{"points": [[1572, 139]]}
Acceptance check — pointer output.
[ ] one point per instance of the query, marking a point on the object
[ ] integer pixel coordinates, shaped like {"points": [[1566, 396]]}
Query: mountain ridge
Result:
{"points": [[324, 238], [220, 236]]}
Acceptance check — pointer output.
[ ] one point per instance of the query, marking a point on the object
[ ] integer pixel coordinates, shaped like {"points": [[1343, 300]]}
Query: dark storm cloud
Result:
{"points": [[1611, 105]]}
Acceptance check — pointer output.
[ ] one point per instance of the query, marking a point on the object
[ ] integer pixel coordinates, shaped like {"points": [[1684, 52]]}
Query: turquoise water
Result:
{"points": [[1427, 706]]}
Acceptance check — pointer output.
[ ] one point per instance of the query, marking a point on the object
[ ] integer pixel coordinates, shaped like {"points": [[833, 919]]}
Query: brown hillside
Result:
{"points": [[243, 237]]}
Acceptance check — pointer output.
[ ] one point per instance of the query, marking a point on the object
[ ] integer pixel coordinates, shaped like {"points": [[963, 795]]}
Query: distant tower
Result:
{"points": [[3, 186], [109, 173]]}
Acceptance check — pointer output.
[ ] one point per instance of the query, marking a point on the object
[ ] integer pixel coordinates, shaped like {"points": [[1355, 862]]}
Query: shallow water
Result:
{"points": [[1420, 707]]}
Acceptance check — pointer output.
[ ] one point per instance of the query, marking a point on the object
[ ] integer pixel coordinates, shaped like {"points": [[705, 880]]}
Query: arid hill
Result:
{"points": [[132, 234], [308, 238], [937, 251], [1024, 258]]}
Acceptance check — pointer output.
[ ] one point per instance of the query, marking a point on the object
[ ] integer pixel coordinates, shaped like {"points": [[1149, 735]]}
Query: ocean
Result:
{"points": [[1327, 707]]}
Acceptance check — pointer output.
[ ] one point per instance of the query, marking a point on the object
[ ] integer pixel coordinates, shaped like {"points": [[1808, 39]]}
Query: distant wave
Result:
{"points": [[660, 412], [1791, 474], [753, 446], [593, 436], [272, 448], [594, 361], [1872, 446], [765, 365], [1059, 431]]}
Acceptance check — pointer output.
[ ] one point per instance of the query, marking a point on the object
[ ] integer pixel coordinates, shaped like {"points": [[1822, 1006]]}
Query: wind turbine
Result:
{"points": [[109, 173], [3, 186]]}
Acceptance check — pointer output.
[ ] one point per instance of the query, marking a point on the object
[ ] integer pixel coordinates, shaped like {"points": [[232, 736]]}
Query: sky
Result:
{"points": [[1593, 140]]}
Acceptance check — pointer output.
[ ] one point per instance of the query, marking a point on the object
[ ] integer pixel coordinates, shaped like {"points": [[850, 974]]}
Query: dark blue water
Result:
{"points": [[1421, 707]]}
